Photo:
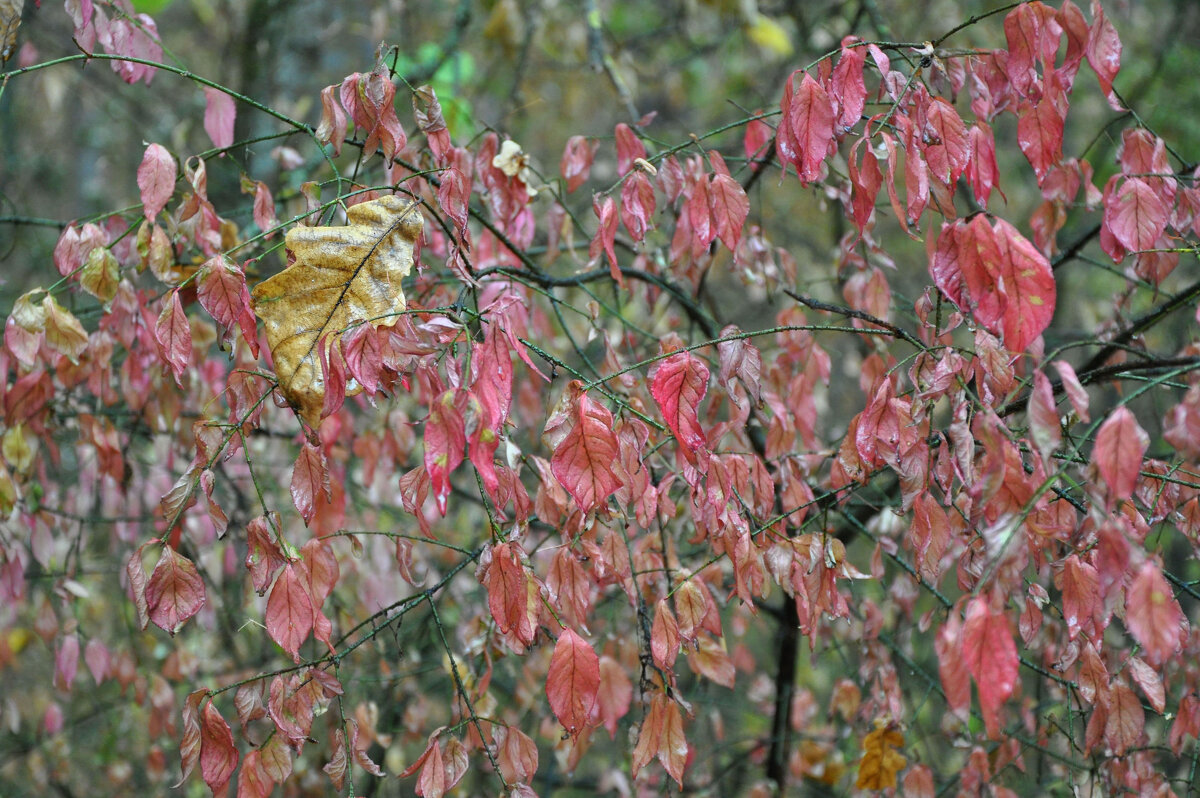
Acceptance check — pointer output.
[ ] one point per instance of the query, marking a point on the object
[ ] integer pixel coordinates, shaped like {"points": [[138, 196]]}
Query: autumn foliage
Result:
{"points": [[453, 469]]}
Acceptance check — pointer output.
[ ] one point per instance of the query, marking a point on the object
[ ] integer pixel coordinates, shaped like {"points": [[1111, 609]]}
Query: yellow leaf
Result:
{"points": [[881, 761], [10, 21], [769, 35], [341, 276]]}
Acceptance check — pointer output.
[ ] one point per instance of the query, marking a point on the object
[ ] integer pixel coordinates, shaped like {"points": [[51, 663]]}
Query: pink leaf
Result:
{"points": [[576, 162], [637, 204], [218, 756], [573, 681], [1104, 53], [809, 118], [1152, 614], [1044, 426], [309, 479], [174, 592], [174, 337], [678, 385], [156, 179], [629, 148], [1075, 392], [730, 207], [991, 657], [1120, 445], [289, 615], [1136, 214], [584, 462], [605, 237], [219, 113]]}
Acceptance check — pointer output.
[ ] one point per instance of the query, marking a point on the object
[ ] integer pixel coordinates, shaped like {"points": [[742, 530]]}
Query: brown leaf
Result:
{"points": [[10, 21], [342, 276]]}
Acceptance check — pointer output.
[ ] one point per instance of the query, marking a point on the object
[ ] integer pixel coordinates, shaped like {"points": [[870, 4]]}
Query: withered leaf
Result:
{"points": [[341, 276], [10, 21]]}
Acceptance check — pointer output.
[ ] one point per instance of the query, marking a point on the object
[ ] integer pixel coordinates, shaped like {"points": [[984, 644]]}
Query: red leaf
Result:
{"points": [[1029, 287], [981, 172], [576, 161], [847, 85], [253, 779], [507, 582], [175, 591], [616, 693], [1104, 52], [1044, 426], [678, 384], [309, 478], [1040, 135], [218, 756], [189, 745], [174, 337], [991, 657], [156, 180], [664, 636], [97, 659], [1123, 726], [1081, 595], [573, 681], [219, 113], [606, 232], [136, 574], [289, 615], [809, 118], [1151, 685], [661, 735], [264, 209], [637, 204], [629, 148], [445, 439], [1075, 392], [221, 290], [516, 754], [66, 662], [730, 207], [956, 682], [584, 462], [1120, 445], [1152, 614], [865, 182], [1136, 214], [948, 153]]}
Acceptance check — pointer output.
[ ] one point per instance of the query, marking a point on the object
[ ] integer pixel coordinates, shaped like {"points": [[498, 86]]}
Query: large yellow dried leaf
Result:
{"points": [[341, 276]]}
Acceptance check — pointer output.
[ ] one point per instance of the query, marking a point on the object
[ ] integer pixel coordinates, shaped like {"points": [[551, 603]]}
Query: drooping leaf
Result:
{"points": [[1125, 720], [678, 384], [808, 115], [174, 337], [341, 277], [880, 760], [253, 779], [218, 755], [310, 480], [1153, 614], [729, 206], [156, 180], [661, 735], [1120, 445], [175, 591], [573, 681], [219, 114], [586, 459], [507, 582], [664, 636], [1136, 214], [629, 147], [289, 616], [991, 657]]}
